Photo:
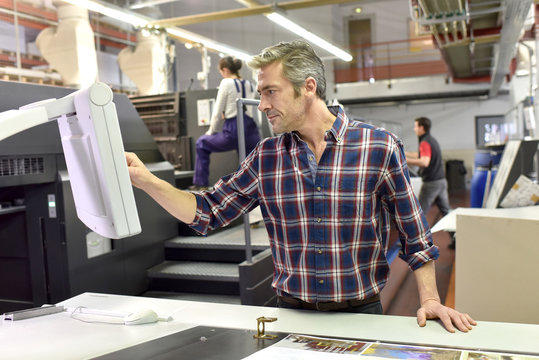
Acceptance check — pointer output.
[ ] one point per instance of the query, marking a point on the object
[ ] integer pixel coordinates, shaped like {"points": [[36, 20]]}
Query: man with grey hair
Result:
{"points": [[327, 187]]}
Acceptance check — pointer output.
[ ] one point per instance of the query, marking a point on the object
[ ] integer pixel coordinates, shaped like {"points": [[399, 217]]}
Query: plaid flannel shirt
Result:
{"points": [[329, 233]]}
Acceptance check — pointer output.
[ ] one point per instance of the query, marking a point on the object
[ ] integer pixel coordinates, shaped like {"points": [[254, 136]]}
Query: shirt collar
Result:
{"points": [[339, 125], [337, 129]]}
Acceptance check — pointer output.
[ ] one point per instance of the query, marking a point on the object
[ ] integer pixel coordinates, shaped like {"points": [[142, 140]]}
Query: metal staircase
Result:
{"points": [[216, 265], [222, 262]]}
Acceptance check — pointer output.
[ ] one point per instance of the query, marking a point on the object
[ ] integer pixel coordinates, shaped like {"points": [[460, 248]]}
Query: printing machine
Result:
{"points": [[46, 253]]}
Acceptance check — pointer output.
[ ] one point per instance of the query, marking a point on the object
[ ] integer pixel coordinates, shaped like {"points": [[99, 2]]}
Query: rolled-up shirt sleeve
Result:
{"points": [[402, 204], [233, 196]]}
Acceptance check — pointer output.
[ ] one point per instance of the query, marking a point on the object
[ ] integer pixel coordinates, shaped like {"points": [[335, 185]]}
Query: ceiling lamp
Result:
{"points": [[309, 36], [111, 11], [208, 43], [137, 20], [143, 4]]}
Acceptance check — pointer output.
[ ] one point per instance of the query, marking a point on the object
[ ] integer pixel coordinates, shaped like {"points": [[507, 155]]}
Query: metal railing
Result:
{"points": [[240, 103], [392, 60]]}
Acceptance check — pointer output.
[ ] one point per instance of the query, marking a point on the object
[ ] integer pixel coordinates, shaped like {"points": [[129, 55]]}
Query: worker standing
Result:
{"points": [[231, 88]]}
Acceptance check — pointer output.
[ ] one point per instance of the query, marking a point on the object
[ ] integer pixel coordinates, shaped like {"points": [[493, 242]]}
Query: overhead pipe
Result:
{"points": [[471, 48], [448, 24], [203, 75], [463, 26], [463, 23], [467, 15], [442, 27], [441, 37], [456, 8], [513, 24], [530, 55], [422, 8], [455, 32], [445, 23]]}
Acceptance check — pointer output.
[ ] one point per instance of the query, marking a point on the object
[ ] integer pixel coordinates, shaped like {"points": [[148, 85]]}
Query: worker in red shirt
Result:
{"points": [[429, 160]]}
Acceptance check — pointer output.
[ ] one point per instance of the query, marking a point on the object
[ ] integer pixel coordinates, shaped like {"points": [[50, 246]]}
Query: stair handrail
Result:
{"points": [[240, 103]]}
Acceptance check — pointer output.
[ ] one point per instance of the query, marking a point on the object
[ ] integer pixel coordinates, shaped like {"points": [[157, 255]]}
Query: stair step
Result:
{"points": [[255, 219], [208, 264], [195, 270], [233, 238]]}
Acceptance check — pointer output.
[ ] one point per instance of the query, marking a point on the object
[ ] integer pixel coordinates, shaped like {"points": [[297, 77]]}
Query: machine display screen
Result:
{"points": [[493, 130]]}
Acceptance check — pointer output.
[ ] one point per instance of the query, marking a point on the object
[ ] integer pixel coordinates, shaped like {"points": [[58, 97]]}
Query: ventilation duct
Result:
{"points": [[69, 48], [514, 20], [146, 65]]}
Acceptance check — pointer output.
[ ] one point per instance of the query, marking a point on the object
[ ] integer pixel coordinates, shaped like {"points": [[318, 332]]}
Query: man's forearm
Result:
{"points": [[180, 204], [411, 155], [421, 162], [431, 306], [426, 283], [413, 162]]}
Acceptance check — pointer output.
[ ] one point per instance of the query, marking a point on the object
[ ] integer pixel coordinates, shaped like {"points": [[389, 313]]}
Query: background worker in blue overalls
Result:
{"points": [[231, 88]]}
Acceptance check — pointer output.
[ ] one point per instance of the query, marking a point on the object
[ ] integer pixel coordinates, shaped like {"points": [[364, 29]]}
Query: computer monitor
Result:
{"points": [[493, 130], [94, 154]]}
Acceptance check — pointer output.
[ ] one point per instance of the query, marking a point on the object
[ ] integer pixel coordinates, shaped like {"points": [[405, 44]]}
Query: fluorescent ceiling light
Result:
{"points": [[307, 35], [112, 12], [209, 43], [140, 21], [143, 4]]}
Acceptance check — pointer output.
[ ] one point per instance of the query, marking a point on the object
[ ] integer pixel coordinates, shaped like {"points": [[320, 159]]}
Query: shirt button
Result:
{"points": [[318, 188], [318, 220], [310, 158], [320, 251], [321, 281]]}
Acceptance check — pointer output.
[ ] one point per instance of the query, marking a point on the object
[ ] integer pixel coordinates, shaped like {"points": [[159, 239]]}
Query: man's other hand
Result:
{"points": [[451, 318]]}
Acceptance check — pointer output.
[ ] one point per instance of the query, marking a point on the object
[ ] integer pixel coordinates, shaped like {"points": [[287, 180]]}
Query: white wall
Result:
{"points": [[453, 121], [390, 18]]}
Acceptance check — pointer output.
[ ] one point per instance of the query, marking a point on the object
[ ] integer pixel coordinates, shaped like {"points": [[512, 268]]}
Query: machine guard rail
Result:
{"points": [[240, 103]]}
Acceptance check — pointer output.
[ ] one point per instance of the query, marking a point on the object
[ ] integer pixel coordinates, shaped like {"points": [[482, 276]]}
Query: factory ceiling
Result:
{"points": [[253, 7], [477, 38]]}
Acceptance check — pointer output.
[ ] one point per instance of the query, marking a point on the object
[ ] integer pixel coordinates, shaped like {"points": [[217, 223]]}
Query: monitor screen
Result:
{"points": [[95, 160], [94, 154], [492, 130]]}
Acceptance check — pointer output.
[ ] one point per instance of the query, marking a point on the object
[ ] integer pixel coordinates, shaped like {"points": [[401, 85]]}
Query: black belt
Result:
{"points": [[328, 305]]}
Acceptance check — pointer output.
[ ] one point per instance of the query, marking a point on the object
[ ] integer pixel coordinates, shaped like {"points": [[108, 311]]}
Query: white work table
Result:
{"points": [[449, 222], [59, 336]]}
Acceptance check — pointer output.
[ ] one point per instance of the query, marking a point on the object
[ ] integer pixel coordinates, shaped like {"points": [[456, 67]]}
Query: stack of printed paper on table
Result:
{"points": [[523, 193]]}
